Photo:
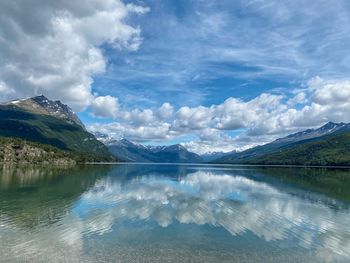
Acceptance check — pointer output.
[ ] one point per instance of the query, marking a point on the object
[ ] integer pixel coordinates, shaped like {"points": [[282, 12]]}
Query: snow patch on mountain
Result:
{"points": [[328, 128]]}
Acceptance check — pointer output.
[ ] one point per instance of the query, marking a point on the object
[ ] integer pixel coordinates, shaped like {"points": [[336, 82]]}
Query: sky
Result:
{"points": [[211, 75]]}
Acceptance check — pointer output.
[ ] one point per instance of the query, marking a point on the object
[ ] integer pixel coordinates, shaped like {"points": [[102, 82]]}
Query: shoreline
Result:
{"points": [[223, 165]]}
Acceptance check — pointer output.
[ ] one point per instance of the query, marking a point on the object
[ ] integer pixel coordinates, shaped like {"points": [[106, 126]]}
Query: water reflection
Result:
{"points": [[31, 196], [236, 203], [100, 202]]}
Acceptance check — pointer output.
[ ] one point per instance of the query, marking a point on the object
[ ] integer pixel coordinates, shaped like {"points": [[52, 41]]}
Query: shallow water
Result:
{"points": [[174, 213]]}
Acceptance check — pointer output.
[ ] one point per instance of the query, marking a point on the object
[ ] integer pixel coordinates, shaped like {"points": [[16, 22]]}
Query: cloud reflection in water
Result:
{"points": [[235, 203]]}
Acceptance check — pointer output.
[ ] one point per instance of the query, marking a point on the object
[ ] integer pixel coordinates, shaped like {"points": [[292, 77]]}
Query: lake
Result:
{"points": [[174, 213]]}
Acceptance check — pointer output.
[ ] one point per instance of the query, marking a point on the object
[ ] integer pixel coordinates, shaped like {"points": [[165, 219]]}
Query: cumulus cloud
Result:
{"points": [[259, 120], [192, 118], [203, 147], [165, 111], [211, 140], [105, 106], [139, 133], [328, 92], [56, 49]]}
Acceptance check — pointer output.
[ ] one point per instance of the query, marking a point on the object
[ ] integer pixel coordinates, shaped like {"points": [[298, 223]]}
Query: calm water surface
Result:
{"points": [[174, 213]]}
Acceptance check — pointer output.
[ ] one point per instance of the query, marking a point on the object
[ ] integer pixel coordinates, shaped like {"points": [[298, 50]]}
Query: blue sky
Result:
{"points": [[202, 52], [197, 53], [233, 74]]}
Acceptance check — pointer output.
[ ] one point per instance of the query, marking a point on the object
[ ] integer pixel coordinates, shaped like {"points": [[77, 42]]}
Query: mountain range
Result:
{"points": [[38, 129], [327, 145], [128, 151]]}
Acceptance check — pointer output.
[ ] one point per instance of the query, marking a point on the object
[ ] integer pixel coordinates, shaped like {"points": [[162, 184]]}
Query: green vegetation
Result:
{"points": [[66, 139], [15, 150], [328, 150]]}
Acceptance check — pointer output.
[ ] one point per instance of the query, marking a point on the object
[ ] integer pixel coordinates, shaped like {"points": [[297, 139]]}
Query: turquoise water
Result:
{"points": [[174, 213]]}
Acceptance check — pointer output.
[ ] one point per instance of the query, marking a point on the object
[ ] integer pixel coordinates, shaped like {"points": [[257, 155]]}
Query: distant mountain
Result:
{"points": [[211, 156], [327, 145], [128, 151], [47, 122], [104, 138], [174, 153]]}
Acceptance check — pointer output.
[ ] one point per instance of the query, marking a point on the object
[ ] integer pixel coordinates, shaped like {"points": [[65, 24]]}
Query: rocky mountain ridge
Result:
{"points": [[42, 105], [328, 128]]}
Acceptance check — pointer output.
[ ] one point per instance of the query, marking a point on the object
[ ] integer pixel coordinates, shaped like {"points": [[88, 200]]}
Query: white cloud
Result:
{"points": [[300, 98], [192, 118], [105, 106], [330, 93], [165, 111], [138, 117], [211, 140], [202, 147], [234, 114], [4, 89], [140, 133], [56, 49], [260, 120]]}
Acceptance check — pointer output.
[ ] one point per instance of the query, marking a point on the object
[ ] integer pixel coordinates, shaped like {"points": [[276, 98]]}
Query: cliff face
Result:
{"points": [[21, 152]]}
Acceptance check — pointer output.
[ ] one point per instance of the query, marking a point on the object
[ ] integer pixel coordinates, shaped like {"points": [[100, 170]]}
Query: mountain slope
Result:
{"points": [[44, 106], [212, 156], [47, 122], [332, 149], [328, 128], [174, 153], [130, 152], [285, 150]]}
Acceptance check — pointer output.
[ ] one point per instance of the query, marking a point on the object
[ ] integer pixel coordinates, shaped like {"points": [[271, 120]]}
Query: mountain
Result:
{"points": [[133, 152], [53, 123], [128, 151], [327, 145], [326, 129], [104, 138], [329, 150], [42, 105], [174, 153], [212, 156]]}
